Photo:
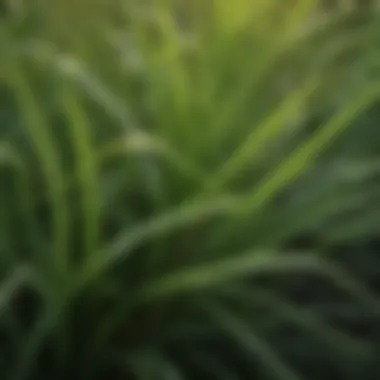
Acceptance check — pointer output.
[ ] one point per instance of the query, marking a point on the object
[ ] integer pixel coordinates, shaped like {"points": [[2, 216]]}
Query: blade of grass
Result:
{"points": [[122, 247], [246, 338], [306, 153], [78, 72], [307, 320], [47, 153], [141, 143], [279, 43], [87, 170], [10, 157], [292, 219], [253, 263], [256, 141], [98, 91]]}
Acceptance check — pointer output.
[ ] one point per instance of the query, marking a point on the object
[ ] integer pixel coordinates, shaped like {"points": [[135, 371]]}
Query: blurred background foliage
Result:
{"points": [[189, 189]]}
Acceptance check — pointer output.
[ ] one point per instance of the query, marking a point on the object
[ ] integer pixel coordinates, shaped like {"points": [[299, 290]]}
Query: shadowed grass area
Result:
{"points": [[158, 162]]}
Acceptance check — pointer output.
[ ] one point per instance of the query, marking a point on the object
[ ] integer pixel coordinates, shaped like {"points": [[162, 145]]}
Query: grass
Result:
{"points": [[156, 158]]}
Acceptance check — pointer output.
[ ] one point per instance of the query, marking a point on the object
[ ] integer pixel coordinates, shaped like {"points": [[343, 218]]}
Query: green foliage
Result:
{"points": [[156, 159]]}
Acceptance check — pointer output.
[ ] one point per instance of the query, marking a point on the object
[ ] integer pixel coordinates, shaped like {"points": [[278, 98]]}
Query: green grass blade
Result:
{"points": [[144, 143], [47, 153], [254, 263], [309, 321], [186, 215], [245, 337], [251, 263], [306, 153], [277, 45], [10, 157], [256, 141], [87, 170]]}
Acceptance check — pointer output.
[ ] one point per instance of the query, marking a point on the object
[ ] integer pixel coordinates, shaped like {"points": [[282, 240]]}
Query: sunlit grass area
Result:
{"points": [[183, 184]]}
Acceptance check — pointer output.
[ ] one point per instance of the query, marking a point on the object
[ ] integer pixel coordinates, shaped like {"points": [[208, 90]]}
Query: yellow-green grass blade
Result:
{"points": [[87, 169], [277, 45], [306, 153], [271, 128]]}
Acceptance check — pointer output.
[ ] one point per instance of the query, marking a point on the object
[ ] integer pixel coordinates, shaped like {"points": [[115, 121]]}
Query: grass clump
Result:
{"points": [[157, 157]]}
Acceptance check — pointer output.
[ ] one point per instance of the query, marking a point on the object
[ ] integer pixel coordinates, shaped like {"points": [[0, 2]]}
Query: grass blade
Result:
{"points": [[47, 152], [245, 337], [87, 170], [306, 153], [181, 217]]}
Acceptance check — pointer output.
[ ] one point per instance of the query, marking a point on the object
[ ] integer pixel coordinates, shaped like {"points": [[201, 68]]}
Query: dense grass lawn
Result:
{"points": [[189, 190]]}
